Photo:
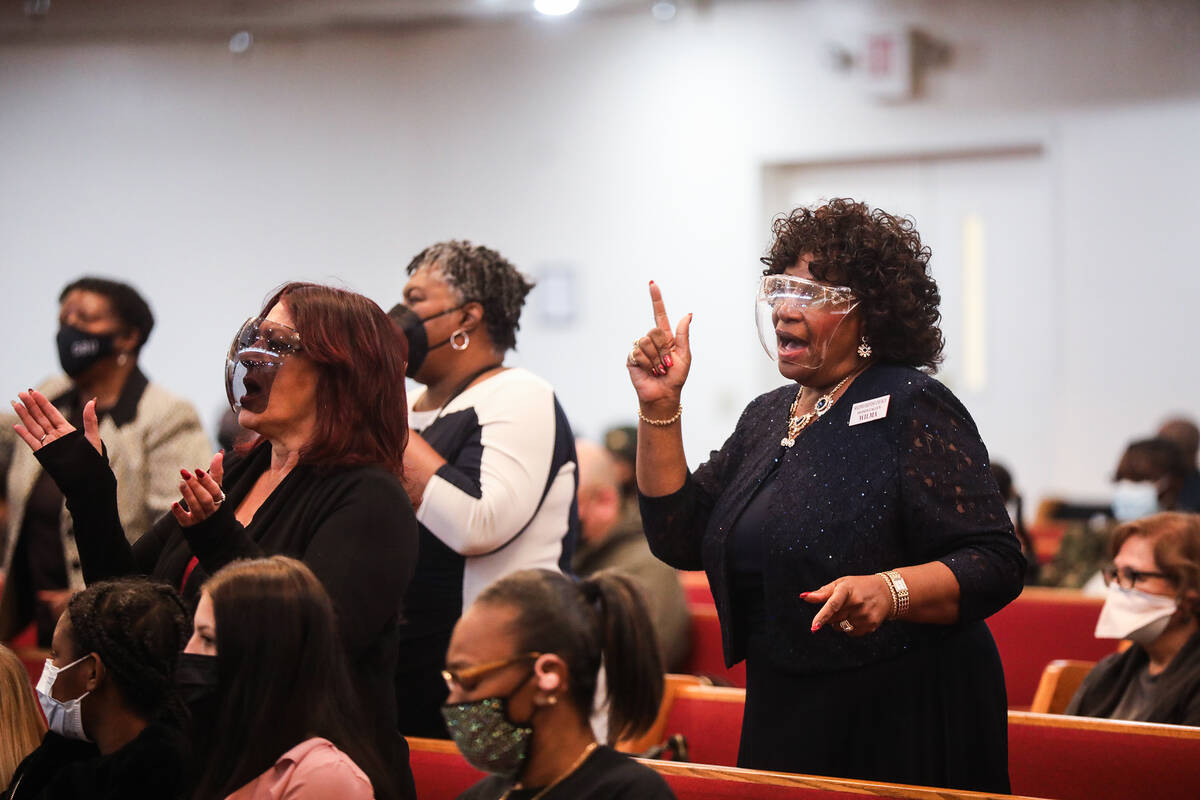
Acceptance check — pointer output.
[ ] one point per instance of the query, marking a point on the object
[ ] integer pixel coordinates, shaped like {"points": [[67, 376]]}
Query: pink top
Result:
{"points": [[312, 769]]}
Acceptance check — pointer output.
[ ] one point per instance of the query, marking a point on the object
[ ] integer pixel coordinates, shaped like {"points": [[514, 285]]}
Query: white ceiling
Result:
{"points": [[24, 20]]}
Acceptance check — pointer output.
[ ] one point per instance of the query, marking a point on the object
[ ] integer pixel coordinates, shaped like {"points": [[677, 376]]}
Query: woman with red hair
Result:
{"points": [[318, 376]]}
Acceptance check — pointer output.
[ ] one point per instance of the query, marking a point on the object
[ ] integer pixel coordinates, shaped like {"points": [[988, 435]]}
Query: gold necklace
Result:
{"points": [[823, 404], [587, 751]]}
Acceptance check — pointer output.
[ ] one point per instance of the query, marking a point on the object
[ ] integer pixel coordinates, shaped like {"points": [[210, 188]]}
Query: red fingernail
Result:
{"points": [[651, 283], [667, 360], [186, 475], [816, 627], [805, 594], [199, 473]]}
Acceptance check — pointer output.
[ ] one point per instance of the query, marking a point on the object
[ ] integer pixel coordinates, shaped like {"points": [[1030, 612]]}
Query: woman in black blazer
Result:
{"points": [[850, 527], [319, 376]]}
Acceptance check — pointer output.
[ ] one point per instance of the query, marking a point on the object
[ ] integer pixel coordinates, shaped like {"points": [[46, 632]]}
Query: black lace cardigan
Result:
{"points": [[911, 487]]}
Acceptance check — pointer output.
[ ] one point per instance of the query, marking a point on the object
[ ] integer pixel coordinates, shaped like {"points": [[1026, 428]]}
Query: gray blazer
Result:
{"points": [[149, 434]]}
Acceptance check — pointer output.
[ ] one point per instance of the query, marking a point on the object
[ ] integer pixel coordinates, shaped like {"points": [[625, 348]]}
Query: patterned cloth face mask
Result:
{"points": [[486, 737], [63, 717]]}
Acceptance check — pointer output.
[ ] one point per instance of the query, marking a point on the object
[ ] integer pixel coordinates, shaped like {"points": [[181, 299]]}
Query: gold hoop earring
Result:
{"points": [[466, 340]]}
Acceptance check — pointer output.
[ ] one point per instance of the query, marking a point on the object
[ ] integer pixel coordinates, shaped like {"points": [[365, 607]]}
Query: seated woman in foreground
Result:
{"points": [[522, 669], [107, 694], [267, 680], [1153, 599]]}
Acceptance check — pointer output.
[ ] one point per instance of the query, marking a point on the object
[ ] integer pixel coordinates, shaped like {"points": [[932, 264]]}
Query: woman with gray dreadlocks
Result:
{"points": [[490, 462], [107, 692]]}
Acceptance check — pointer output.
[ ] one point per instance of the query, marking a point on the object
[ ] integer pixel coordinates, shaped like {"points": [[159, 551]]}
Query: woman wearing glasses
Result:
{"points": [[852, 532], [522, 669], [1153, 599], [319, 377]]}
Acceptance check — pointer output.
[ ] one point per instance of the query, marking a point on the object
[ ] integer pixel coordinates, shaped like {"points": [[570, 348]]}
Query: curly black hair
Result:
{"points": [[129, 306], [482, 275], [881, 258], [137, 628]]}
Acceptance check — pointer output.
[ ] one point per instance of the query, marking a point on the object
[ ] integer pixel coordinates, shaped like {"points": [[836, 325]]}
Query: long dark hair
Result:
{"points": [[282, 675], [581, 622], [138, 629], [360, 354]]}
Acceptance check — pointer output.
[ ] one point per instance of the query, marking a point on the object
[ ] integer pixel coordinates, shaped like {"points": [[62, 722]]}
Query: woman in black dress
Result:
{"points": [[850, 527], [319, 376]]}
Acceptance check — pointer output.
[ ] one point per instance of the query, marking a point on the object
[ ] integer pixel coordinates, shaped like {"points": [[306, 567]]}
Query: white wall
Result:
{"points": [[621, 147]]}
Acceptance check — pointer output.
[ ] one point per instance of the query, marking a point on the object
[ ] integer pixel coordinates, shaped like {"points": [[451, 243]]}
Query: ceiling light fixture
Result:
{"points": [[555, 8]]}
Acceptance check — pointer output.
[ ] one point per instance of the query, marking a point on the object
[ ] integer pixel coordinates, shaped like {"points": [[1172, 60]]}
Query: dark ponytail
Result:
{"points": [[602, 618], [631, 659]]}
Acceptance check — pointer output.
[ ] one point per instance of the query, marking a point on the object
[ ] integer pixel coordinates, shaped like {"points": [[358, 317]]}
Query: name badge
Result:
{"points": [[869, 410]]}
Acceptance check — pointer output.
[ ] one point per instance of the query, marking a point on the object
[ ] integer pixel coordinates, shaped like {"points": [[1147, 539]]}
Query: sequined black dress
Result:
{"points": [[911, 703]]}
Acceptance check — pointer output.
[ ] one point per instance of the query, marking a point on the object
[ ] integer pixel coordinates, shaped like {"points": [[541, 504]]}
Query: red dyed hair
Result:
{"points": [[360, 355]]}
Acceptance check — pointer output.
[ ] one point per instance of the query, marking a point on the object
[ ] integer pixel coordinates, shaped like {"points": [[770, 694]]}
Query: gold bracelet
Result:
{"points": [[901, 592], [661, 423]]}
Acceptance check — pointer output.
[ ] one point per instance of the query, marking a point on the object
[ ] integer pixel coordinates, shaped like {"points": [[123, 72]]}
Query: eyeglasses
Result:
{"points": [[1126, 577], [779, 290], [468, 678]]}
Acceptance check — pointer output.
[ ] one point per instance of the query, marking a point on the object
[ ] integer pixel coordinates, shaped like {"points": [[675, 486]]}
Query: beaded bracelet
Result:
{"points": [[887, 580], [661, 423]]}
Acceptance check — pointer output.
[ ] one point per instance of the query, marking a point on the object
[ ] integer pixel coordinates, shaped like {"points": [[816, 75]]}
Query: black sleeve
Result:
{"points": [[675, 523], [952, 509], [220, 539], [90, 489], [364, 551], [39, 773]]}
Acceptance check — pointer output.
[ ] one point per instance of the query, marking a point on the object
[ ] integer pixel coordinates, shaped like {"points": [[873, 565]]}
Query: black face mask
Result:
{"points": [[414, 330], [79, 350], [197, 685], [196, 677]]}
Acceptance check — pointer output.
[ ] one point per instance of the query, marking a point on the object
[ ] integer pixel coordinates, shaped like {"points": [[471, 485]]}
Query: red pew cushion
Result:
{"points": [[710, 718], [707, 658], [1040, 626], [1077, 758], [439, 770]]}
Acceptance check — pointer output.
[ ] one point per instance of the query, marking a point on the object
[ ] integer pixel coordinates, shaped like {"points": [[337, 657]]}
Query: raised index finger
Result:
{"points": [[660, 311]]}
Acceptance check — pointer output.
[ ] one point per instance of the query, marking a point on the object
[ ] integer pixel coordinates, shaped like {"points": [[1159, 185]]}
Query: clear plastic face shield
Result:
{"points": [[798, 317], [257, 353]]}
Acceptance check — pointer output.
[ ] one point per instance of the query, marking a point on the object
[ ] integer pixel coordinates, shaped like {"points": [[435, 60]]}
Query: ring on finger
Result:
{"points": [[846, 626], [43, 439]]}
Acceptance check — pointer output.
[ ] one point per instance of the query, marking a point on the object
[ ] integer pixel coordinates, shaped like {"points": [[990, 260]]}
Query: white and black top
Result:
{"points": [[505, 499]]}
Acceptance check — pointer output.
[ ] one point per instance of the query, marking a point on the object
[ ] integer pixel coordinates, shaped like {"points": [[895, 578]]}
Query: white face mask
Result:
{"points": [[1134, 615], [63, 717], [1134, 500]]}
